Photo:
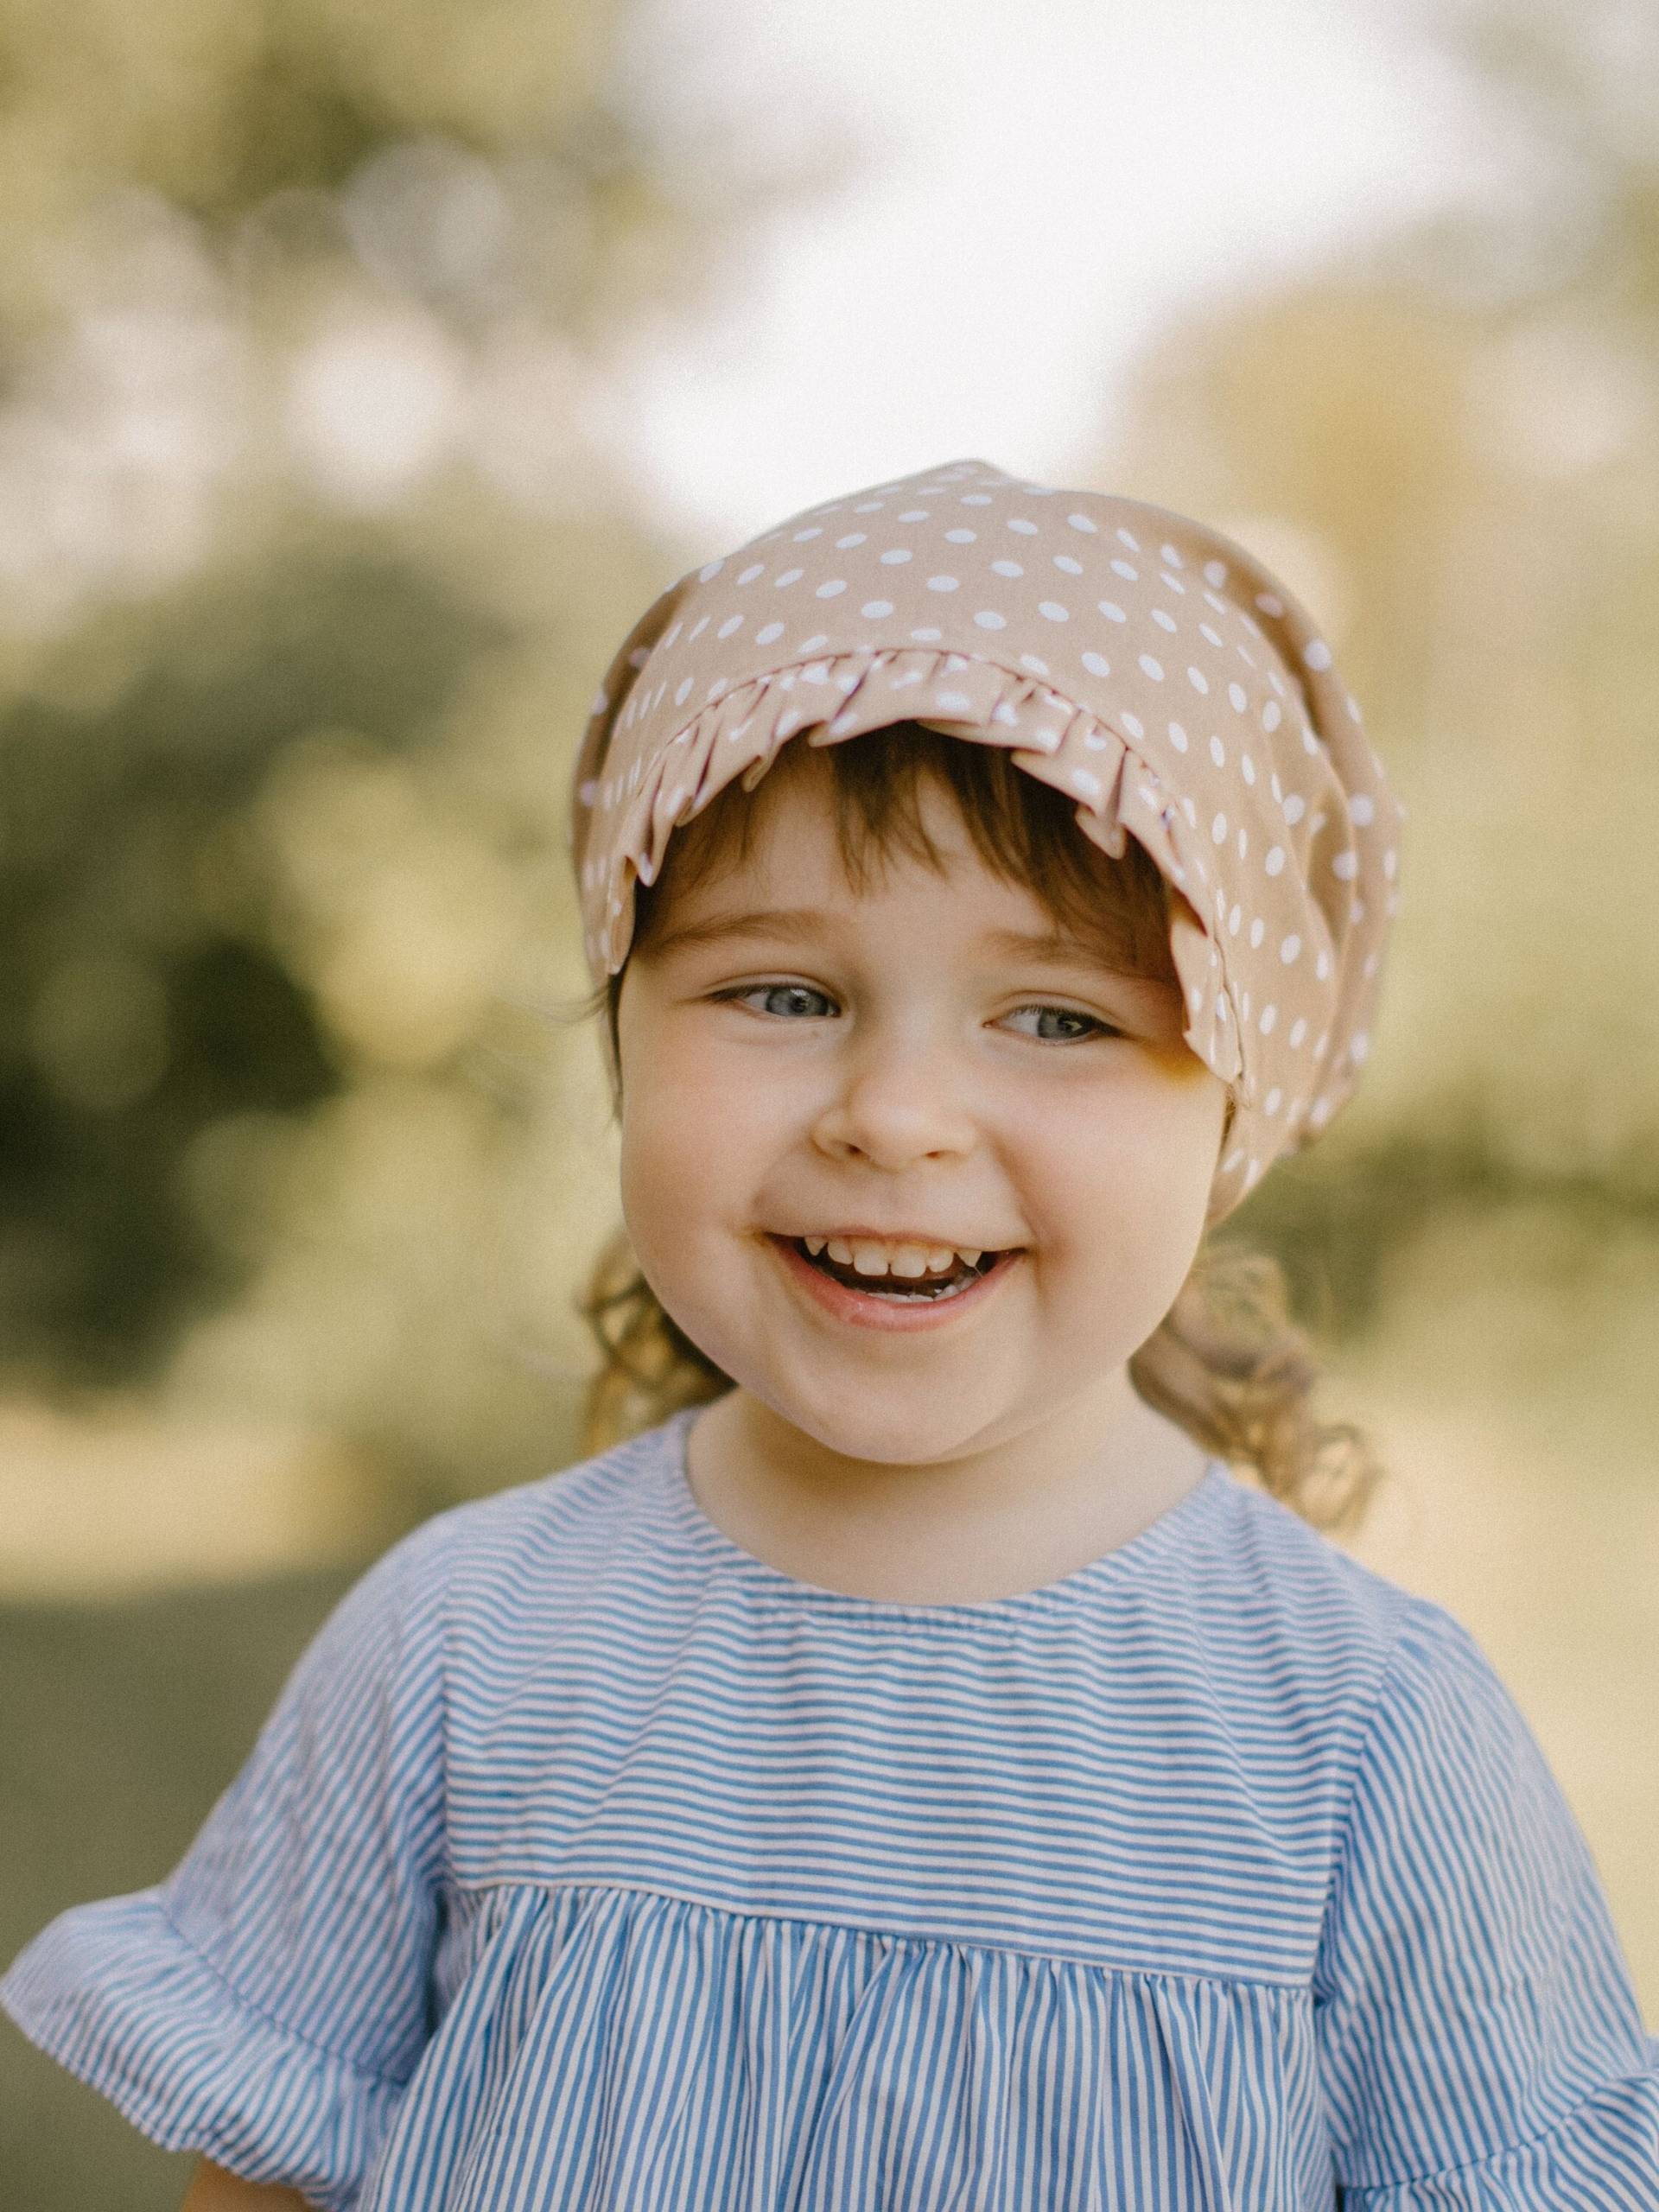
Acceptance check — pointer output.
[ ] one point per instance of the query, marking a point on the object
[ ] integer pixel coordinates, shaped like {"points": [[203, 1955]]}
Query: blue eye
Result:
{"points": [[1071, 1013], [768, 990]]}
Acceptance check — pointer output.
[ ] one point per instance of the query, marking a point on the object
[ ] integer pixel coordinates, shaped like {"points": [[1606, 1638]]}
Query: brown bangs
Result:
{"points": [[1026, 832]]}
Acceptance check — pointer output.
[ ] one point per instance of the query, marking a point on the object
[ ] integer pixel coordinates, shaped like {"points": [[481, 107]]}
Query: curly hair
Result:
{"points": [[1227, 1362]]}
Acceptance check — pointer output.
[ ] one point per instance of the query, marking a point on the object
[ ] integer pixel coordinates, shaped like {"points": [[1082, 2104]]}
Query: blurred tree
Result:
{"points": [[1449, 445], [314, 535], [147, 1018]]}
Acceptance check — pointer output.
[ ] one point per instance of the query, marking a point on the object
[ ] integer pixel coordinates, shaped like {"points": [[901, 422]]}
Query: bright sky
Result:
{"points": [[1042, 183]]}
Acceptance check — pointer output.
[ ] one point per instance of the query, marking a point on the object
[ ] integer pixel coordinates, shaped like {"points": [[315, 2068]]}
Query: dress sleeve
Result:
{"points": [[265, 2004], [1480, 2045]]}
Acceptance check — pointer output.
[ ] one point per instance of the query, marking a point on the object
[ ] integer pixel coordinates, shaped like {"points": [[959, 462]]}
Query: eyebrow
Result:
{"points": [[802, 924]]}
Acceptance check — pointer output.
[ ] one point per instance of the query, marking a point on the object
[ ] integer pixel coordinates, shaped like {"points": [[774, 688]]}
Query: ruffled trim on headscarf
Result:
{"points": [[1118, 794]]}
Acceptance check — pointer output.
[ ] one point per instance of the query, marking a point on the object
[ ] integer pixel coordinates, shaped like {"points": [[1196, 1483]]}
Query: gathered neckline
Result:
{"points": [[717, 1548]]}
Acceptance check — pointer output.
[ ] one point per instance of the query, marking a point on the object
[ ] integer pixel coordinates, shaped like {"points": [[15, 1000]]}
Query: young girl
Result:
{"points": [[918, 1772]]}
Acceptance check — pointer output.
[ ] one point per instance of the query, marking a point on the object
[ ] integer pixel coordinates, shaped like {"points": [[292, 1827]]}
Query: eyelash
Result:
{"points": [[1072, 1013]]}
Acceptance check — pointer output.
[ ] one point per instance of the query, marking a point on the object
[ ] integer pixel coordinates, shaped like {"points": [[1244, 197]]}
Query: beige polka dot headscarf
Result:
{"points": [[1130, 657]]}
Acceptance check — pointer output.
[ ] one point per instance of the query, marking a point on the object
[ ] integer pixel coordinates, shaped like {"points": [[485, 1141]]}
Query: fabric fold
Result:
{"points": [[605, 2049], [1604, 2153], [113, 1991]]}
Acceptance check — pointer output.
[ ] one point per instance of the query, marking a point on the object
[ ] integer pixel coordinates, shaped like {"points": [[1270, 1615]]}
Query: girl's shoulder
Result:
{"points": [[1271, 1552], [564, 1525], [488, 1569], [1281, 1599]]}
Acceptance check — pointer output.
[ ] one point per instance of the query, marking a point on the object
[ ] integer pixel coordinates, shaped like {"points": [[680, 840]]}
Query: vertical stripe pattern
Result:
{"points": [[589, 1864]]}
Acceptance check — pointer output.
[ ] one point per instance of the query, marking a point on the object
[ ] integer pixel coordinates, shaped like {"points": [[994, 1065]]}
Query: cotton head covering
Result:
{"points": [[1135, 659]]}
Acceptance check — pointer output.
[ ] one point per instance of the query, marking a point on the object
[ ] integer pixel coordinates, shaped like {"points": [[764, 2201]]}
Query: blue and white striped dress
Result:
{"points": [[589, 1864]]}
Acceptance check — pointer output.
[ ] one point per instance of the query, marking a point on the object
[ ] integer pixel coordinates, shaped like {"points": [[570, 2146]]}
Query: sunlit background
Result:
{"points": [[364, 372]]}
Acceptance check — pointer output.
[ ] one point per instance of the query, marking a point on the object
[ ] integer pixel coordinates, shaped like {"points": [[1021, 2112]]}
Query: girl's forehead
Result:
{"points": [[903, 817], [860, 809], [792, 890]]}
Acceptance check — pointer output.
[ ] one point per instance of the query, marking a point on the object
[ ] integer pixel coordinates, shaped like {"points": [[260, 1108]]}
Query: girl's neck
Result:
{"points": [[984, 1528]]}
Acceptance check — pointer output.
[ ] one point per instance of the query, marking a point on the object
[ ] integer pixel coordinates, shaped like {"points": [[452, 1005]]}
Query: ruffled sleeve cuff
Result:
{"points": [[113, 1991], [1604, 2152]]}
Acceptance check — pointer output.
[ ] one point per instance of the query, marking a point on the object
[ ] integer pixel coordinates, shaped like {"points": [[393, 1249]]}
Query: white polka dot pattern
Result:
{"points": [[1128, 656]]}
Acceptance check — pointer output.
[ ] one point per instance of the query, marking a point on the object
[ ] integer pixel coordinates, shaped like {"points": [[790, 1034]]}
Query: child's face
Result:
{"points": [[908, 1078]]}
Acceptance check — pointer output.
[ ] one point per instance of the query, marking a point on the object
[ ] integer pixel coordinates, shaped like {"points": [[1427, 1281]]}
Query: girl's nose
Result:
{"points": [[897, 1103]]}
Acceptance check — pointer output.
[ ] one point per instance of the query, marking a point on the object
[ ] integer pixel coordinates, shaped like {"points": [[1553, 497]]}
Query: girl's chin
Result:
{"points": [[907, 1433]]}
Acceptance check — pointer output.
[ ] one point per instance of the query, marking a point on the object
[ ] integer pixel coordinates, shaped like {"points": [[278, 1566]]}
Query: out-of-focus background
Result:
{"points": [[363, 371]]}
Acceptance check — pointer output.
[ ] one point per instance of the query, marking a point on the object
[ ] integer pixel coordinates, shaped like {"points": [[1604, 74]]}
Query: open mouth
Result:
{"points": [[903, 1290]]}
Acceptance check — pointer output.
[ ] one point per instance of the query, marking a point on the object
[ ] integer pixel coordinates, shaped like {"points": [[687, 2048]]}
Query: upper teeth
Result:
{"points": [[874, 1259]]}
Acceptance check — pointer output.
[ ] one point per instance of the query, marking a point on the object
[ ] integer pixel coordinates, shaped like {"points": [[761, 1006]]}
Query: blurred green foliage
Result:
{"points": [[315, 528], [149, 1021]]}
